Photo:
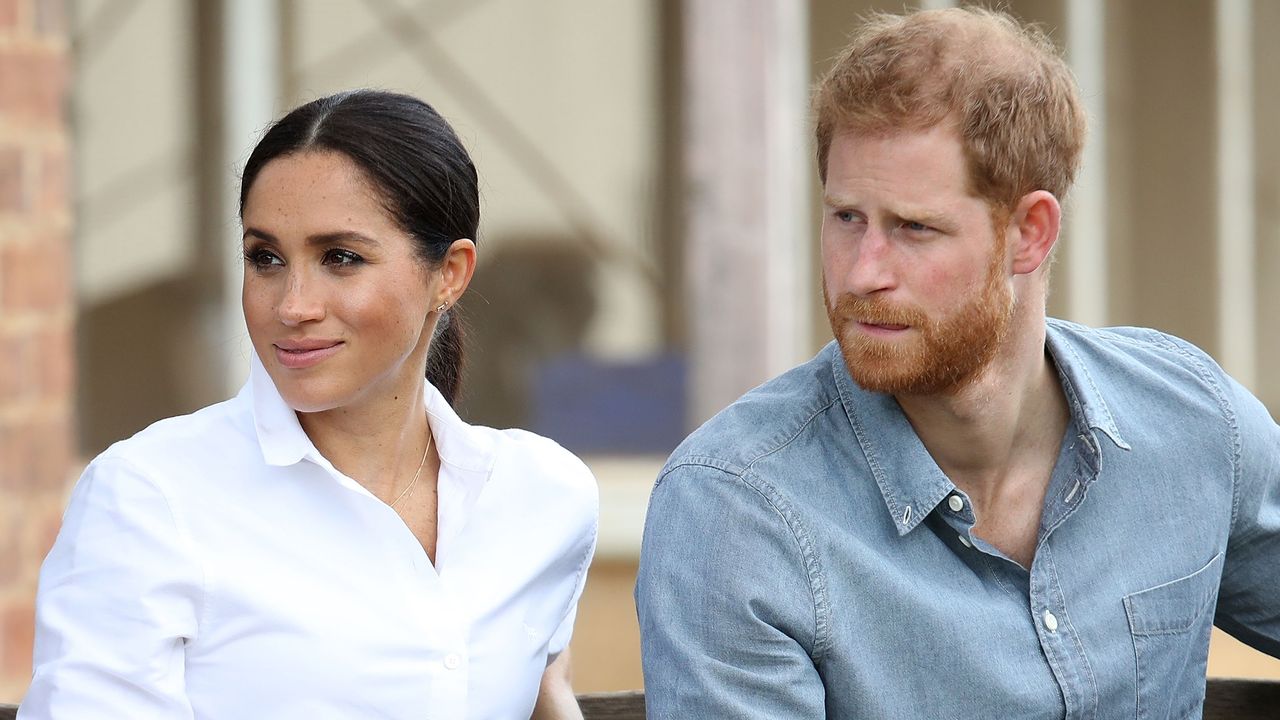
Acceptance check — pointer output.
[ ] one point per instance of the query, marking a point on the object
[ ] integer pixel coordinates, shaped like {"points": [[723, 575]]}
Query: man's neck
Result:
{"points": [[998, 437]]}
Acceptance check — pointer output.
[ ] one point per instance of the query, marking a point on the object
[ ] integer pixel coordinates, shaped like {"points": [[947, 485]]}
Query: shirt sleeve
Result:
{"points": [[1249, 598], [560, 638], [119, 596], [727, 612]]}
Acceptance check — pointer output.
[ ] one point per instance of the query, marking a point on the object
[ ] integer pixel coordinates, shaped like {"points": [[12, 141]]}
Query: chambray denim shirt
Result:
{"points": [[804, 557]]}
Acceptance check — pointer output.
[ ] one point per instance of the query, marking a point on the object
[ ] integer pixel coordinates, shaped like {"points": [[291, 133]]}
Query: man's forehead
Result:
{"points": [[916, 163]]}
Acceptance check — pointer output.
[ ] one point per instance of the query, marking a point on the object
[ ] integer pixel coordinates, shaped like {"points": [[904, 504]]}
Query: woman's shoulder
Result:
{"points": [[206, 438], [535, 460]]}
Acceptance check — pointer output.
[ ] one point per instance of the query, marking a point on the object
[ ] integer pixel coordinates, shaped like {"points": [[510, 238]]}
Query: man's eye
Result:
{"points": [[342, 258], [915, 226], [845, 216]]}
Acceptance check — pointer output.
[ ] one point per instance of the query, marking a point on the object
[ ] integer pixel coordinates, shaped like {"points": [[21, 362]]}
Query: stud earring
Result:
{"points": [[442, 307]]}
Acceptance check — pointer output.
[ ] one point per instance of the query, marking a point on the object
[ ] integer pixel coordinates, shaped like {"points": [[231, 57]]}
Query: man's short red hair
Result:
{"points": [[1001, 84]]}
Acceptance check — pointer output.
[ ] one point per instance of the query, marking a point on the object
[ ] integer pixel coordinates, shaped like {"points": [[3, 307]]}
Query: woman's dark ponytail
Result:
{"points": [[446, 357]]}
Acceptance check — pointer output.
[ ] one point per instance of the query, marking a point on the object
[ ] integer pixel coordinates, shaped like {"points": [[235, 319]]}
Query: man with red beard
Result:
{"points": [[959, 508]]}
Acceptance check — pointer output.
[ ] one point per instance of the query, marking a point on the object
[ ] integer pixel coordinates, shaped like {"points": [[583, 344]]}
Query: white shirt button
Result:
{"points": [[452, 661], [965, 541], [1050, 622], [955, 503]]}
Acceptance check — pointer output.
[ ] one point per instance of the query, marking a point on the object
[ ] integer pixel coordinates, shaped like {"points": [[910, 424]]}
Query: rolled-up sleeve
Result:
{"points": [[725, 602], [1249, 599], [120, 594]]}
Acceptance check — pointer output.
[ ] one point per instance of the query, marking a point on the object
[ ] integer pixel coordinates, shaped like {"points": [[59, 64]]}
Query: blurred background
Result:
{"points": [[649, 219]]}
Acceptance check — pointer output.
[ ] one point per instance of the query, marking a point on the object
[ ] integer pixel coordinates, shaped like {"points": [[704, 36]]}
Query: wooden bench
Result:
{"points": [[1225, 699]]}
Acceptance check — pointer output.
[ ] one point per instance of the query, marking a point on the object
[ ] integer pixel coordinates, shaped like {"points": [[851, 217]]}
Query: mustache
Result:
{"points": [[876, 311]]}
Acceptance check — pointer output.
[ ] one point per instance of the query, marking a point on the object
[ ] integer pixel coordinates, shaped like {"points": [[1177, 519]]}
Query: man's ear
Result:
{"points": [[1034, 229]]}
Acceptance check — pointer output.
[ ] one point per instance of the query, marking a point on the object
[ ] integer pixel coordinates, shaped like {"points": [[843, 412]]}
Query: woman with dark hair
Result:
{"points": [[334, 541]]}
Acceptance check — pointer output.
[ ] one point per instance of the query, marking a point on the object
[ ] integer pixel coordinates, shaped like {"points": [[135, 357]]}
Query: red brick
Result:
{"points": [[12, 558], [54, 191], [14, 364], [36, 275], [13, 198], [17, 628], [9, 13], [17, 457], [35, 455], [32, 84], [55, 363]]}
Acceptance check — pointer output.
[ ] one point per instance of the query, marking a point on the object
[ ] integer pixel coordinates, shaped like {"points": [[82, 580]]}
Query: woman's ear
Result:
{"points": [[456, 269], [1036, 220]]}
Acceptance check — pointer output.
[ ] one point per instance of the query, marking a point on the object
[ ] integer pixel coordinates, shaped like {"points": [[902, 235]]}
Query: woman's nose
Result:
{"points": [[302, 301]]}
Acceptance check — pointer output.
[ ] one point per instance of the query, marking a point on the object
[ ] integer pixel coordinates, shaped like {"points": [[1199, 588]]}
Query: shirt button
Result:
{"points": [[1050, 622], [452, 661], [955, 503], [965, 541]]}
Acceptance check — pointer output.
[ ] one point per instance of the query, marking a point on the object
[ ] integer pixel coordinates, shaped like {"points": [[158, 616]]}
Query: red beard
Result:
{"points": [[939, 355]]}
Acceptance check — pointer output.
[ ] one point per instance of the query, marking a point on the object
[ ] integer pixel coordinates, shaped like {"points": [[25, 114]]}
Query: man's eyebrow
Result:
{"points": [[902, 212]]}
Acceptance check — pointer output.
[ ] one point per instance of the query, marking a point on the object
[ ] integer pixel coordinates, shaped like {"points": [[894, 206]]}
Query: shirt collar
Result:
{"points": [[280, 435], [470, 451], [1088, 406], [910, 481]]}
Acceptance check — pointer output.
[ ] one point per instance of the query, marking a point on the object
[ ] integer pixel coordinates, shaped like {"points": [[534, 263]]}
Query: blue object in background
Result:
{"points": [[616, 408]]}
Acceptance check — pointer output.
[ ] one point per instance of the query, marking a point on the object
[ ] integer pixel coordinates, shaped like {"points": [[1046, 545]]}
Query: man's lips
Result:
{"points": [[298, 354], [881, 329]]}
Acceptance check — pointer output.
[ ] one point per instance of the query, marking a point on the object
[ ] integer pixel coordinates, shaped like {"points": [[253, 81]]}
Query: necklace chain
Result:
{"points": [[414, 481]]}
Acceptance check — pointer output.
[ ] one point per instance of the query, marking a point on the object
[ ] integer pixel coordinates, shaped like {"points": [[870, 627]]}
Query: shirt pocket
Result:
{"points": [[1170, 624]]}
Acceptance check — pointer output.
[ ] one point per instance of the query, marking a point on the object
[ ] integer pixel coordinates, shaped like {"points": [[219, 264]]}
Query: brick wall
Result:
{"points": [[36, 313]]}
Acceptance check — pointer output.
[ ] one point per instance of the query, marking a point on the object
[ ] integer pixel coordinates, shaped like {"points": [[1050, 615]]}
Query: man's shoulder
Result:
{"points": [[1140, 366], [764, 419], [1125, 349]]}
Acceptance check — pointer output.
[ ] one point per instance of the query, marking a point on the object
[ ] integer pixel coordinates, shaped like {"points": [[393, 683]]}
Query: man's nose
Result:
{"points": [[872, 268], [302, 301]]}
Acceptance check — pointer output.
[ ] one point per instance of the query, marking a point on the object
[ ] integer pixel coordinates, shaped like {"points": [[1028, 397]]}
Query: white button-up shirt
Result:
{"points": [[217, 566]]}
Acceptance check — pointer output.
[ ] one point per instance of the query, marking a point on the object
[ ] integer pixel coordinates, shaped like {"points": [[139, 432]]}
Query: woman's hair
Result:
{"points": [[418, 167]]}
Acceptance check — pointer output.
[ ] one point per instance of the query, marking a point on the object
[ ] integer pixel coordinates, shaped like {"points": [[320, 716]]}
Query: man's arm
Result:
{"points": [[1249, 598], [728, 621]]}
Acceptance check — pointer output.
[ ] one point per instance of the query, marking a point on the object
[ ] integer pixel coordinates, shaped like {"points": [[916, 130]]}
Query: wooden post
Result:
{"points": [[748, 277]]}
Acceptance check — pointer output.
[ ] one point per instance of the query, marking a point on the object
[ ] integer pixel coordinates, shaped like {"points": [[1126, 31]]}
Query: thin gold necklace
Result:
{"points": [[414, 481]]}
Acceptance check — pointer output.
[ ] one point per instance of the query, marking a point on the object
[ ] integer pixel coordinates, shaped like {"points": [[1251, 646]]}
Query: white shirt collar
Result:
{"points": [[466, 450]]}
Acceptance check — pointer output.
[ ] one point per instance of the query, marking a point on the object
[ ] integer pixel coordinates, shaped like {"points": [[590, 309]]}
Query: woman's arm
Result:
{"points": [[555, 695], [119, 596]]}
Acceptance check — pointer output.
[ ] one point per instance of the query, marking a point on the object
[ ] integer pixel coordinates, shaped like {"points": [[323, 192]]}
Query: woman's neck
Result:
{"points": [[379, 443]]}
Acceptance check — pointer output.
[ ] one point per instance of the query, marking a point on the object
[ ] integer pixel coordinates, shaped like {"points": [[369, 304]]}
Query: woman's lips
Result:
{"points": [[297, 356]]}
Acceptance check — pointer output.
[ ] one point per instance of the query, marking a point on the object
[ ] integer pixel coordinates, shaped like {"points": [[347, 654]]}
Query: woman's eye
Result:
{"points": [[342, 258], [261, 258]]}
